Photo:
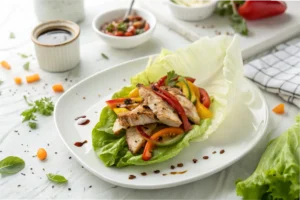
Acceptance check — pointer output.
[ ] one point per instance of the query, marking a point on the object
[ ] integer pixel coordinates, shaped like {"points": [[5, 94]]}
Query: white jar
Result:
{"points": [[72, 10]]}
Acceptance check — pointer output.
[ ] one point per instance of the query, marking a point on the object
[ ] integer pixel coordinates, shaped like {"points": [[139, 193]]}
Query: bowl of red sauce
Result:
{"points": [[127, 33]]}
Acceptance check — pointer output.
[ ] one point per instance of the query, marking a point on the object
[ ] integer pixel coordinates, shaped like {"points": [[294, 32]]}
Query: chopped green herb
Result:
{"points": [[171, 78], [26, 65], [122, 27], [110, 28], [32, 125], [11, 165], [12, 35], [104, 56], [56, 178], [139, 31], [23, 55], [44, 106]]}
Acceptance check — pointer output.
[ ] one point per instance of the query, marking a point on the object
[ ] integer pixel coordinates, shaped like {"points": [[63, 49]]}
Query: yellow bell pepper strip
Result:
{"points": [[120, 110], [185, 89], [193, 95], [171, 131], [128, 101], [203, 112], [134, 93]]}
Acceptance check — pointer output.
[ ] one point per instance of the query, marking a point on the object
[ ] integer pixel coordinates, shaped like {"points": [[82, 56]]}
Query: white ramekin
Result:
{"points": [[124, 42], [57, 57], [192, 13]]}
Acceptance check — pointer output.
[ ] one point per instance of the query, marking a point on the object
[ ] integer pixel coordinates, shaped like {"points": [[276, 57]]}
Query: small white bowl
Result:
{"points": [[124, 42], [57, 57], [192, 13]]}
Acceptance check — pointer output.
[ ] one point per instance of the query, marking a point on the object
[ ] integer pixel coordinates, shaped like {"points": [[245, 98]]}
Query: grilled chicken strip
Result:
{"points": [[141, 115], [118, 127], [163, 111], [134, 140], [188, 106]]}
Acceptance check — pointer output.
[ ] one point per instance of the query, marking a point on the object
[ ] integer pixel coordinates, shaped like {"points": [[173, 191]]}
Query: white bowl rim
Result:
{"points": [[123, 38], [210, 3]]}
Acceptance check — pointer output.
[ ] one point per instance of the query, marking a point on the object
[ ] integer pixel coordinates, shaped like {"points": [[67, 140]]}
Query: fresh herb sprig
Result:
{"points": [[57, 178], [228, 8], [171, 78], [44, 106], [11, 165]]}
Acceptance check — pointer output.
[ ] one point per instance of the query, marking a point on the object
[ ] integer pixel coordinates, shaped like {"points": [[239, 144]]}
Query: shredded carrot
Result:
{"points": [[18, 80], [279, 109], [58, 88], [5, 65], [32, 78]]}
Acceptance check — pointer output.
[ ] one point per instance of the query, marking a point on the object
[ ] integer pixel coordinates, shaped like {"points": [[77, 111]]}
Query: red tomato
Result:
{"points": [[128, 34], [131, 29], [119, 33], [204, 98], [147, 26]]}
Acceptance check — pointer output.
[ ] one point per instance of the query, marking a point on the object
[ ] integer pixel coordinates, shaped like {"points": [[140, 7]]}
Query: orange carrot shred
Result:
{"points": [[279, 109], [18, 80], [5, 65], [58, 88], [32, 78]]}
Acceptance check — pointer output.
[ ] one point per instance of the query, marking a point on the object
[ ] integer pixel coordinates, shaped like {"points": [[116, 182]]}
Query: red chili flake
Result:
{"points": [[172, 167], [156, 171], [195, 160], [144, 174], [131, 177], [205, 157], [214, 152], [222, 151], [179, 165]]}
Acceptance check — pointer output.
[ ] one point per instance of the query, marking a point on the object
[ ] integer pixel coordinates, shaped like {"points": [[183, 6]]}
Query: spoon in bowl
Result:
{"points": [[128, 12]]}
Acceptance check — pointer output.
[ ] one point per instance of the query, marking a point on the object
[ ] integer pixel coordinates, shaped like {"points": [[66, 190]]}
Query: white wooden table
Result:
{"points": [[16, 139]]}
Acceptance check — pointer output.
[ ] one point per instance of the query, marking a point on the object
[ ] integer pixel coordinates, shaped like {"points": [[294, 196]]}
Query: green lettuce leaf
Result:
{"points": [[277, 173], [216, 63]]}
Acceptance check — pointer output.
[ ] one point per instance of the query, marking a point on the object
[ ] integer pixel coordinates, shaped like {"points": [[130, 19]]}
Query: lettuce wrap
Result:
{"points": [[216, 63], [277, 173]]}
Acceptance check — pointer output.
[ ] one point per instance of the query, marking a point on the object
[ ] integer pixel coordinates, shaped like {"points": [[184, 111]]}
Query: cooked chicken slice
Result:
{"points": [[188, 106], [134, 140], [163, 111], [141, 115], [118, 127]]}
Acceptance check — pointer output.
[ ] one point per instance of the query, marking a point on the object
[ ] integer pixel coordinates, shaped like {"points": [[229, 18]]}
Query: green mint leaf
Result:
{"points": [[11, 165], [239, 24], [122, 27], [26, 65], [104, 56], [12, 35], [32, 125], [56, 178]]}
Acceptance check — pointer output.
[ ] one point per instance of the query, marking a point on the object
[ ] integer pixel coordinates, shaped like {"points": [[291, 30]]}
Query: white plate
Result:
{"points": [[242, 129]]}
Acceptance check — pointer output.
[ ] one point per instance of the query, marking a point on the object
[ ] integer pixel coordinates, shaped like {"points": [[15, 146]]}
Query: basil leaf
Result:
{"points": [[56, 178], [11, 165]]}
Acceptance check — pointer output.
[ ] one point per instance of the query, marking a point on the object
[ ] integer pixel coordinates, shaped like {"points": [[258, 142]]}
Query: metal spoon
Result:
{"points": [[128, 11]]}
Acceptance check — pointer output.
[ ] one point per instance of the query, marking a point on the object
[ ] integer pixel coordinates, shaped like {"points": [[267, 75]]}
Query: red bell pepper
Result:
{"points": [[252, 10], [174, 103], [162, 81], [204, 97]]}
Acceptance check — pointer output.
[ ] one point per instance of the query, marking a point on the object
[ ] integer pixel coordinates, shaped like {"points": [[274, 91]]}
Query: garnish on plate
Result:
{"points": [[104, 56], [56, 178], [5, 65], [11, 165], [26, 65], [12, 35], [41, 154], [18, 80], [44, 106]]}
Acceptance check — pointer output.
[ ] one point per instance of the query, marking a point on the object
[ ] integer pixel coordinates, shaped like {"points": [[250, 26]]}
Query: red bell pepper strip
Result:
{"points": [[162, 81], [147, 153], [204, 97], [252, 10], [142, 132], [174, 103]]}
